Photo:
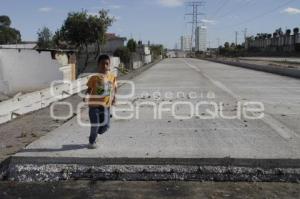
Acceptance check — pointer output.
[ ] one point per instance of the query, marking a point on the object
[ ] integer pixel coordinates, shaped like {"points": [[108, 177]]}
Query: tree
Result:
{"points": [[279, 31], [124, 54], [100, 26], [8, 35], [232, 45], [5, 21], [296, 32], [58, 40], [45, 38], [81, 30], [226, 45], [232, 50], [157, 50], [131, 45]]}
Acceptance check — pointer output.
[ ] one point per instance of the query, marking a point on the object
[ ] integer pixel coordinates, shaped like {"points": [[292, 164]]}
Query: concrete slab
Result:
{"points": [[145, 144]]}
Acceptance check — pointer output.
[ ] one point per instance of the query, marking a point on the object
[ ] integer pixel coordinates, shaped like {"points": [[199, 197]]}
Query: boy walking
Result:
{"points": [[101, 92]]}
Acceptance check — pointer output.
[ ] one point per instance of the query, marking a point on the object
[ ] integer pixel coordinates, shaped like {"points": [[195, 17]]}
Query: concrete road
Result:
{"points": [[186, 82]]}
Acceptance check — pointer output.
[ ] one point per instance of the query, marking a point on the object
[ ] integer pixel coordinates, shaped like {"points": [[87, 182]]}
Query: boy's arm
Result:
{"points": [[89, 90], [115, 92]]}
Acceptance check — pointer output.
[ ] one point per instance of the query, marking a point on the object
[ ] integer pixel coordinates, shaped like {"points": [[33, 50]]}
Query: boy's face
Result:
{"points": [[104, 65]]}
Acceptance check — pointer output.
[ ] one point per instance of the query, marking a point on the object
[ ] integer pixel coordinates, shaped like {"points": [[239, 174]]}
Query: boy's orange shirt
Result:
{"points": [[102, 89]]}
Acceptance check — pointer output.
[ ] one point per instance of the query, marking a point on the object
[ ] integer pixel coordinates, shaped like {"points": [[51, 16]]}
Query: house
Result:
{"points": [[113, 42], [144, 52]]}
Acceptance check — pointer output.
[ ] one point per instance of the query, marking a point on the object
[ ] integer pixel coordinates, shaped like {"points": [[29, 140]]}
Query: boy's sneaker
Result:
{"points": [[92, 146]]}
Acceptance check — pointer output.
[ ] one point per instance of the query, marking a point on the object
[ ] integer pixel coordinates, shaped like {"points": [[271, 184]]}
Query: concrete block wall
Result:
{"points": [[137, 64]]}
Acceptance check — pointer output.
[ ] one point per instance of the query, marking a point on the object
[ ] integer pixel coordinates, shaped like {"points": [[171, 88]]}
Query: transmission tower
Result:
{"points": [[194, 13]]}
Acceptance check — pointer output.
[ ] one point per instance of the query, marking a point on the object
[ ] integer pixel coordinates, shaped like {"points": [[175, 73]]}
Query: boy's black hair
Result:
{"points": [[103, 57]]}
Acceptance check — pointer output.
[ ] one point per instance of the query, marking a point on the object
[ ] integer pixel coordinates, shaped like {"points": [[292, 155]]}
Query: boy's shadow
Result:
{"points": [[64, 148]]}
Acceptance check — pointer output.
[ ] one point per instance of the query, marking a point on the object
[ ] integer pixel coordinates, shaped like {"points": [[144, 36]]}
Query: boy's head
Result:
{"points": [[104, 63]]}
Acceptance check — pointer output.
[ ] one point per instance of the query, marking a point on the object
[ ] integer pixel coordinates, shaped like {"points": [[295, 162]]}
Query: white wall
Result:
{"points": [[147, 59], [3, 83], [27, 70], [115, 63]]}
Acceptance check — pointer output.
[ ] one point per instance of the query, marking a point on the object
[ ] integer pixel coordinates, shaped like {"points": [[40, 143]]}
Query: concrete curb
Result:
{"points": [[33, 169], [275, 59], [290, 72], [138, 71], [238, 162]]}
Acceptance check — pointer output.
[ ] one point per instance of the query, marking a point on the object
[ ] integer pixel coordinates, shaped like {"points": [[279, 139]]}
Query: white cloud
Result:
{"points": [[208, 21], [291, 11], [171, 3], [45, 9]]}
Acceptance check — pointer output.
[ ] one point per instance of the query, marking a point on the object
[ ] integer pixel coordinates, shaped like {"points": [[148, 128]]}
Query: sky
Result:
{"points": [[159, 21]]}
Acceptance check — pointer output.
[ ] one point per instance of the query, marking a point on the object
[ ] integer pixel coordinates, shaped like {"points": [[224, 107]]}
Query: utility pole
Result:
{"points": [[236, 37], [195, 16], [218, 47], [245, 37], [245, 33], [218, 42]]}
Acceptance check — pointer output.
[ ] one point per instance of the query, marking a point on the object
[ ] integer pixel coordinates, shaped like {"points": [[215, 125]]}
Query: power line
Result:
{"points": [[245, 33], [236, 8], [260, 15], [195, 15], [218, 42], [222, 6]]}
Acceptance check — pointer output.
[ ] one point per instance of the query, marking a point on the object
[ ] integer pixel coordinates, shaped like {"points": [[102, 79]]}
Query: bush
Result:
{"points": [[124, 54]]}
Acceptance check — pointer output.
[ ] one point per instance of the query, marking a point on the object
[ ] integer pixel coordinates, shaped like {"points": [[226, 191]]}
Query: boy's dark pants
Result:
{"points": [[100, 121]]}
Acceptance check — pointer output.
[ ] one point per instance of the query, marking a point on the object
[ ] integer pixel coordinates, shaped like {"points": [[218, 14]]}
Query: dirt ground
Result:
{"points": [[148, 190], [17, 134]]}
